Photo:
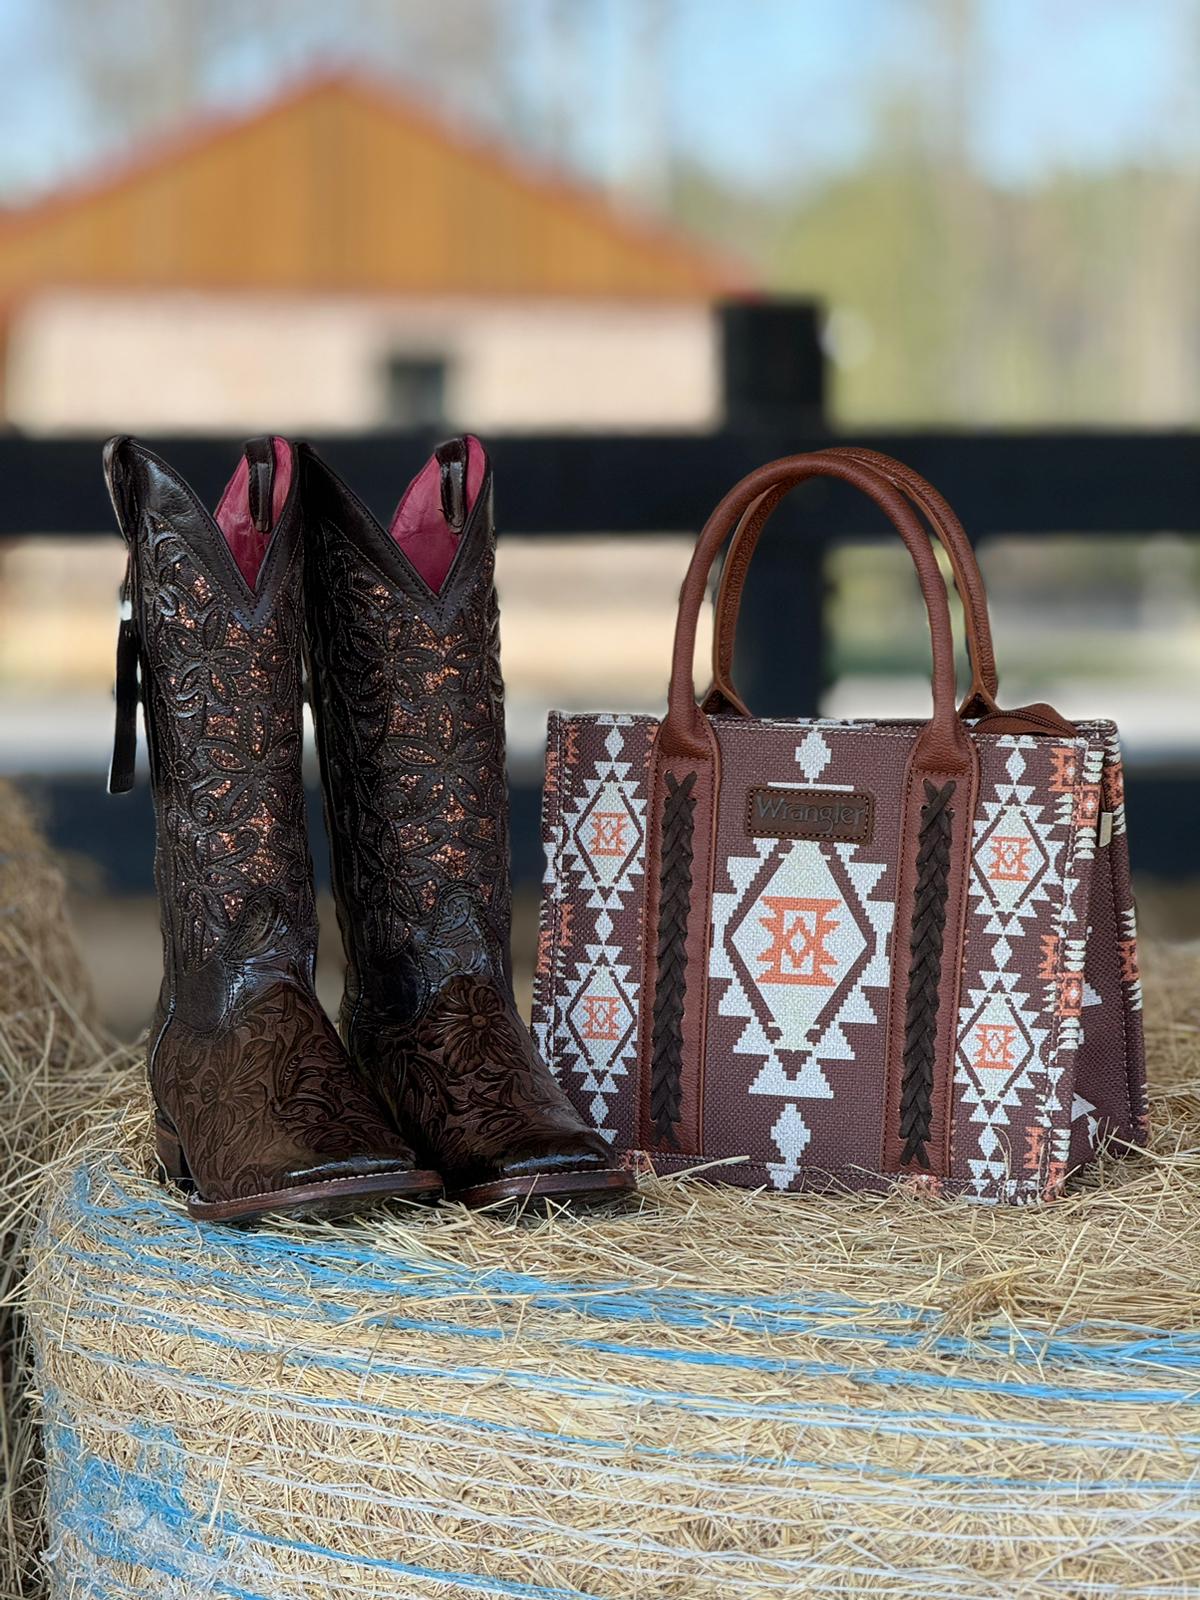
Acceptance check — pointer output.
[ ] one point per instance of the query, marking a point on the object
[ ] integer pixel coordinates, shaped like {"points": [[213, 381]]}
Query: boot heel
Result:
{"points": [[171, 1158]]}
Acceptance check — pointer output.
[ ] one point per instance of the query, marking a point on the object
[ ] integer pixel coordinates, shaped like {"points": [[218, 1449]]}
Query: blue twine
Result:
{"points": [[820, 1415], [297, 1275], [106, 1309], [143, 1515]]}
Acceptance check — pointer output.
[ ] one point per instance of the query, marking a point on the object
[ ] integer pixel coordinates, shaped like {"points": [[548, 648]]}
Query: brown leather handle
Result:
{"points": [[942, 744], [981, 696]]}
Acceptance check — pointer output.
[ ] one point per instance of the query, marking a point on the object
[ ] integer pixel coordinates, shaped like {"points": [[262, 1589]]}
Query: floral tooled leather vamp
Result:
{"points": [[467, 1082], [469, 1028], [409, 705], [258, 1106], [268, 1102]]}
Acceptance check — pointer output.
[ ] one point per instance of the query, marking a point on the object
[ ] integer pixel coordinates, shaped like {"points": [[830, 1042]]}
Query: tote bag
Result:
{"points": [[823, 953]]}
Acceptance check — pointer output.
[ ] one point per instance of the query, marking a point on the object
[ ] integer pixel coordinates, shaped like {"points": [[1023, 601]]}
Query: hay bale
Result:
{"points": [[714, 1394], [54, 1066]]}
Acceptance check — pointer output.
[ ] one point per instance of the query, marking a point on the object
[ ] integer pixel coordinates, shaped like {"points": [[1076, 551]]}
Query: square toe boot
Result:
{"points": [[403, 633], [258, 1108]]}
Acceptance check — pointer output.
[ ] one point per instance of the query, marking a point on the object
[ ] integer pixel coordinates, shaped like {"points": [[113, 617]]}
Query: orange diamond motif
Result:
{"points": [[1089, 803], [601, 1015], [1070, 994], [994, 1045], [1066, 764], [798, 951], [1010, 858], [608, 833]]}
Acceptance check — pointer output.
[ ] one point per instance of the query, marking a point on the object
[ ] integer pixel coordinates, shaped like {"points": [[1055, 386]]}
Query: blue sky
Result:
{"points": [[1053, 82], [759, 90]]}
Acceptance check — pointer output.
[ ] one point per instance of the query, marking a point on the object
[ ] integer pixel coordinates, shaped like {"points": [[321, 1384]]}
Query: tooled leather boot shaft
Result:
{"points": [[250, 1081], [221, 693], [410, 703], [409, 706]]}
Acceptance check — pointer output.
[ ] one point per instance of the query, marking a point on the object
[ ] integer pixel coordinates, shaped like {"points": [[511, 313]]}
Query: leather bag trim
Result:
{"points": [[704, 773], [940, 1019], [670, 989], [925, 973]]}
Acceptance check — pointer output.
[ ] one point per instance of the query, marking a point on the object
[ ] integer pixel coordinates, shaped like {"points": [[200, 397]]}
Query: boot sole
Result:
{"points": [[331, 1197], [335, 1197], [540, 1189]]}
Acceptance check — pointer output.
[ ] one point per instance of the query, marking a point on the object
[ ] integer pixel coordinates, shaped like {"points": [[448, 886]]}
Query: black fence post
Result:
{"points": [[773, 365], [775, 379]]}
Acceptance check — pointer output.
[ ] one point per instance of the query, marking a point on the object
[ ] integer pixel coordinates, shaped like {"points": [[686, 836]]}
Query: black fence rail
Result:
{"points": [[1017, 484]]}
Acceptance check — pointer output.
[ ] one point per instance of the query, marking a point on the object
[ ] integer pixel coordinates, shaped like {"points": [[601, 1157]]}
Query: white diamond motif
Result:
{"points": [[797, 964], [799, 942]]}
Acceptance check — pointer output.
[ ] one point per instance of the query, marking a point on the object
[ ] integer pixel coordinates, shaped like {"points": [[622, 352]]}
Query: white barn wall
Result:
{"points": [[183, 362]]}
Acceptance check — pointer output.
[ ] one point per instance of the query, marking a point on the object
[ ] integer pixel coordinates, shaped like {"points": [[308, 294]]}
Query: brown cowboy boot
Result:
{"points": [[408, 699], [258, 1108]]}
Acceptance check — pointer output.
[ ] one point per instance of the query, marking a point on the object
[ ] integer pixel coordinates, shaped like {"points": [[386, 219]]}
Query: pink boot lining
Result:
{"points": [[419, 527], [247, 544]]}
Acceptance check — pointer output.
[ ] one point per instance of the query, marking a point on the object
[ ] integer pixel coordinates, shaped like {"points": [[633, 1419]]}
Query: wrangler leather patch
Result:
{"points": [[841, 814]]}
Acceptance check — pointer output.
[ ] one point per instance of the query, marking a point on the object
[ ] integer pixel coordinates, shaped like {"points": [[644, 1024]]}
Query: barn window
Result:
{"points": [[414, 392]]}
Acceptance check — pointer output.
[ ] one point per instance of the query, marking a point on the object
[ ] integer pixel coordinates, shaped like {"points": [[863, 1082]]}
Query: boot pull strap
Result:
{"points": [[260, 486], [125, 688], [452, 462], [125, 693]]}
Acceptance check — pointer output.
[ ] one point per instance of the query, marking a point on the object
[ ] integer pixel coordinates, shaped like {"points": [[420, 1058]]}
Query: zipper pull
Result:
{"points": [[125, 693]]}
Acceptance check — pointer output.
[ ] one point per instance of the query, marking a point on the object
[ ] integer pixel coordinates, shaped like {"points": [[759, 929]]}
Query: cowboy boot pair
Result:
{"points": [[258, 1107]]}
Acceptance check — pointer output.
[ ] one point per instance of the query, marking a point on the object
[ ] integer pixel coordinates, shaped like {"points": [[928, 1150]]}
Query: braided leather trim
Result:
{"points": [[674, 900], [925, 972]]}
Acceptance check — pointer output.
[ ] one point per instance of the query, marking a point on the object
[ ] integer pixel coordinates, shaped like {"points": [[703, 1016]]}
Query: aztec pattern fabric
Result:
{"points": [[788, 978]]}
